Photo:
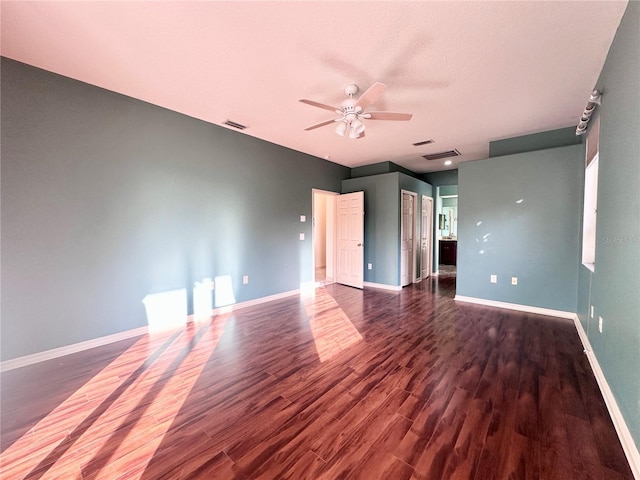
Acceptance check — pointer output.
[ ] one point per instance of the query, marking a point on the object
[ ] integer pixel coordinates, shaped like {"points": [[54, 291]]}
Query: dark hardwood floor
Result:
{"points": [[345, 384]]}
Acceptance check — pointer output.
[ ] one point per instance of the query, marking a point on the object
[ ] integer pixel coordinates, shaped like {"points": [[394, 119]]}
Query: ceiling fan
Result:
{"points": [[352, 111]]}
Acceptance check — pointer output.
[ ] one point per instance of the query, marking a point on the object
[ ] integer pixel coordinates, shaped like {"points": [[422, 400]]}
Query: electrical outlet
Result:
{"points": [[494, 279], [600, 324], [302, 236], [369, 266], [303, 218], [591, 311], [514, 280], [245, 279]]}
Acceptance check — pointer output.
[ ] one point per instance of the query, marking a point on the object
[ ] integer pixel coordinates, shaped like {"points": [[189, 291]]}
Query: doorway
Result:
{"points": [[447, 238], [323, 235]]}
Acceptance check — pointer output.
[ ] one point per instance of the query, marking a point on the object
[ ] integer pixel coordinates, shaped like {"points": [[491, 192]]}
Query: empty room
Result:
{"points": [[320, 240]]}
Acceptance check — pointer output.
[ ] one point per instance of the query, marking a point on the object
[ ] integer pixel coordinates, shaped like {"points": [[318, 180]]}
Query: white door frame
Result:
{"points": [[413, 274], [426, 222], [330, 235]]}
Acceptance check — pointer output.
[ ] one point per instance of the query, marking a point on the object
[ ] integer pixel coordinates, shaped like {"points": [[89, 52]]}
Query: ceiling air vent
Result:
{"points": [[425, 142], [233, 124], [439, 155]]}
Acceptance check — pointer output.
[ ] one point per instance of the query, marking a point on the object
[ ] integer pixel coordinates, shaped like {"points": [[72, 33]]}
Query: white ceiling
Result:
{"points": [[470, 72]]}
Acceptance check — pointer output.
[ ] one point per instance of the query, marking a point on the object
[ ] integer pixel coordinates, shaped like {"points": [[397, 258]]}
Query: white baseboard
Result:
{"points": [[68, 349], [628, 444], [136, 332], [258, 301], [383, 286], [516, 306]]}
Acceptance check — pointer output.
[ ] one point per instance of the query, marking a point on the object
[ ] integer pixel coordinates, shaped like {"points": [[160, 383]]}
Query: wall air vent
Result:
{"points": [[425, 142], [233, 124], [439, 155]]}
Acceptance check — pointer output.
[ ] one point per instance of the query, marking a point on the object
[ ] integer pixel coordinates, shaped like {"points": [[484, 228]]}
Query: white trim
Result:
{"points": [[628, 444], [258, 301], [430, 235], [329, 246], [413, 276], [136, 332], [383, 286], [515, 306], [68, 349]]}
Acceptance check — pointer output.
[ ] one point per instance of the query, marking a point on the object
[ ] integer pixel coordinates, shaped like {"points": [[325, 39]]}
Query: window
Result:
{"points": [[591, 197]]}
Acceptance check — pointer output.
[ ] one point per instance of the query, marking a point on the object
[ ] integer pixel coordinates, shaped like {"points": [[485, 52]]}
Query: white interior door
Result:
{"points": [[406, 256], [350, 233], [426, 236]]}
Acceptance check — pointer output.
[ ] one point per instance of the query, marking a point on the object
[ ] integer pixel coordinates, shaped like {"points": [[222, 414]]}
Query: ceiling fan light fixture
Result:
{"points": [[341, 129], [357, 126]]}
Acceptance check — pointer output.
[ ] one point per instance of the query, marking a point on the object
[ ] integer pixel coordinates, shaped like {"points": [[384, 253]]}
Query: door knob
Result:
{"points": [[359, 244]]}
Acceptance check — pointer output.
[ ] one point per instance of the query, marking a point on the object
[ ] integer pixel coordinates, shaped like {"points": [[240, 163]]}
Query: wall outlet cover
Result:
{"points": [[514, 280], [494, 279]]}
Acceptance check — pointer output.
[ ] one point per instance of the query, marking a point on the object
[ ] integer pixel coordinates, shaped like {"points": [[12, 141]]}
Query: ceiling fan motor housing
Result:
{"points": [[351, 90], [349, 110]]}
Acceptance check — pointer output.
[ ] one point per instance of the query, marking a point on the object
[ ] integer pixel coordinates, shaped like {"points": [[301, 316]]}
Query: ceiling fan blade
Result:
{"points": [[317, 125], [372, 94], [320, 105], [389, 116]]}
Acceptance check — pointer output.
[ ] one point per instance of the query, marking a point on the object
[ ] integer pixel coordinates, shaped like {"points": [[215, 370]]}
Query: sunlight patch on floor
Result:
{"points": [[332, 330], [127, 407]]}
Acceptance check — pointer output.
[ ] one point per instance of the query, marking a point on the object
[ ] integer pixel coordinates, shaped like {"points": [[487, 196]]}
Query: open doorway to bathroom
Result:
{"points": [[447, 221]]}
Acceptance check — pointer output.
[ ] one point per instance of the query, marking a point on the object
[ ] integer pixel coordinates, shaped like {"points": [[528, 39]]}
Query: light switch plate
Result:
{"points": [[302, 236], [303, 218]]}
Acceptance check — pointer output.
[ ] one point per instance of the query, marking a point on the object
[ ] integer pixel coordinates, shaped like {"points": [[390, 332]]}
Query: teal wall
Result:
{"points": [[519, 215], [106, 199], [537, 141], [615, 284], [445, 190], [382, 221], [437, 179], [378, 169]]}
